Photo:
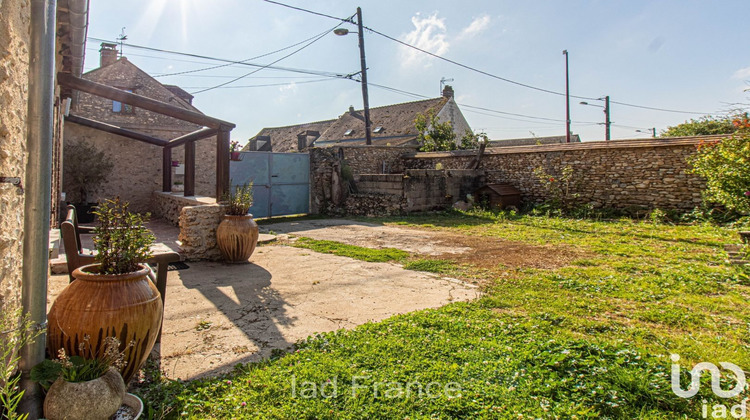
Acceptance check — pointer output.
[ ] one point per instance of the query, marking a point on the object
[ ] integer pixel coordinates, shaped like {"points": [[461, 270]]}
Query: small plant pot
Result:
{"points": [[90, 400], [235, 155], [178, 187], [236, 237]]}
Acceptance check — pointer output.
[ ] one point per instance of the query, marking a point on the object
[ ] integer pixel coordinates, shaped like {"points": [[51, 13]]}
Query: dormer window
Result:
{"points": [[378, 129], [348, 132]]}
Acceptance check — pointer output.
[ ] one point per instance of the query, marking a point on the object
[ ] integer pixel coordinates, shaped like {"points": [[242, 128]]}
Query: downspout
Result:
{"points": [[38, 192]]}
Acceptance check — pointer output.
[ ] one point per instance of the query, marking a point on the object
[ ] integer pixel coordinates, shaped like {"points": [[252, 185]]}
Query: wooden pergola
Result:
{"points": [[211, 126]]}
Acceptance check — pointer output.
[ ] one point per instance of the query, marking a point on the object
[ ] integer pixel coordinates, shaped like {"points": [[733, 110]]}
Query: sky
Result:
{"points": [[678, 55]]}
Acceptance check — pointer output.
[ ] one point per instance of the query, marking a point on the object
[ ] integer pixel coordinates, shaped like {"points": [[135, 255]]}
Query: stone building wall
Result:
{"points": [[137, 170], [15, 19], [615, 174]]}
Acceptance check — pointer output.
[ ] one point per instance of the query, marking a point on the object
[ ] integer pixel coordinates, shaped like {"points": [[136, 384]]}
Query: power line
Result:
{"points": [[318, 38], [265, 85], [494, 76]]}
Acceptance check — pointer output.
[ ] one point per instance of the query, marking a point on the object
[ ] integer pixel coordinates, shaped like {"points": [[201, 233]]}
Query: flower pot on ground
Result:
{"points": [[237, 234], [83, 388], [113, 298]]}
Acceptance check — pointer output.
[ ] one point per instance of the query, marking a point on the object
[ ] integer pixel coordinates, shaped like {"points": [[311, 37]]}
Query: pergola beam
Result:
{"points": [[109, 128], [201, 134], [98, 89]]}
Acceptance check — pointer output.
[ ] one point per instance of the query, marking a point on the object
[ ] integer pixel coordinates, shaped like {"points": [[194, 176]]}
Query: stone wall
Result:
{"points": [[198, 226], [616, 174], [168, 206], [375, 159], [14, 69], [431, 189], [380, 183]]}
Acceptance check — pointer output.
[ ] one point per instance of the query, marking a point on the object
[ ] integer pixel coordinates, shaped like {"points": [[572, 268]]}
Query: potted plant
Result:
{"points": [[237, 233], [234, 150], [178, 186], [113, 297], [84, 168], [83, 387]]}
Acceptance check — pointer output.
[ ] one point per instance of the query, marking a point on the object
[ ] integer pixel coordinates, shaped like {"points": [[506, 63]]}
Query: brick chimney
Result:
{"points": [[448, 91], [355, 114], [107, 54]]}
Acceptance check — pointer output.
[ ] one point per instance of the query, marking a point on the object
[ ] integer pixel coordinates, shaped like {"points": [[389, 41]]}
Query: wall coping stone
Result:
{"points": [[562, 147]]}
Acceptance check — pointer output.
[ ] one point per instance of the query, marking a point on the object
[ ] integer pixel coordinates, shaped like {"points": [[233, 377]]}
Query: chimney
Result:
{"points": [[107, 54], [448, 91], [354, 113]]}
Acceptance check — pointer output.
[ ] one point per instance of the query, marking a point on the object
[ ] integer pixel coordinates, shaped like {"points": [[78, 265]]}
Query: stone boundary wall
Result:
{"points": [[375, 159], [650, 173], [374, 204], [168, 206], [380, 183]]}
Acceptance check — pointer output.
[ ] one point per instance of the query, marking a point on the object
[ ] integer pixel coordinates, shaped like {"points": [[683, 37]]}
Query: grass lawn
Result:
{"points": [[588, 339]]}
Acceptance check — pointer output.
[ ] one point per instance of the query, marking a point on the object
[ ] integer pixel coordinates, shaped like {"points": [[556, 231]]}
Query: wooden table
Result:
{"points": [[162, 255]]}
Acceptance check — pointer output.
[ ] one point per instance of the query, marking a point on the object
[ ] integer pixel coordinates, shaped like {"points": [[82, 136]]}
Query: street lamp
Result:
{"points": [[365, 98], [607, 122], [651, 131], [567, 99]]}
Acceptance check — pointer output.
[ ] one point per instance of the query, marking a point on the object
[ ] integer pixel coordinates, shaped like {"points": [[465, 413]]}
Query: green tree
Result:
{"points": [[703, 126], [725, 164], [434, 135]]}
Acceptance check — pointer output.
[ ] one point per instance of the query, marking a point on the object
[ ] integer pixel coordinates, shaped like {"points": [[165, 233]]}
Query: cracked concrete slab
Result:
{"points": [[220, 314]]}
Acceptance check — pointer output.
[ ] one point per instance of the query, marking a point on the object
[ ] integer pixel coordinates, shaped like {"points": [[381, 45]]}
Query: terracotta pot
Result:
{"points": [[237, 237], [96, 399], [125, 306], [234, 155]]}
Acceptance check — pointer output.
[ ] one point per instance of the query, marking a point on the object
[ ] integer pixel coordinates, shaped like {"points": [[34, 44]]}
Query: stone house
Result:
{"points": [[137, 166], [391, 125]]}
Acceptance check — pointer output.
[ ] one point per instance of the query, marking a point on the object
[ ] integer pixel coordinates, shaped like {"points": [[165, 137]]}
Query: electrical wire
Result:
{"points": [[264, 85], [318, 38], [488, 74]]}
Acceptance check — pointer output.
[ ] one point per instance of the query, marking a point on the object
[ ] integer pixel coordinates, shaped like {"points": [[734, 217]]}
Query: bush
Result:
{"points": [[559, 188], [725, 166]]}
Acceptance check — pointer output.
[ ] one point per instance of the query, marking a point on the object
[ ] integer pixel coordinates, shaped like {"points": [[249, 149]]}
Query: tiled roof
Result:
{"points": [[284, 139], [396, 120], [531, 141]]}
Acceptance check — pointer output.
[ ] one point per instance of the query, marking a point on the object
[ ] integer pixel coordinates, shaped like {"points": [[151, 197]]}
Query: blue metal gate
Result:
{"points": [[281, 182]]}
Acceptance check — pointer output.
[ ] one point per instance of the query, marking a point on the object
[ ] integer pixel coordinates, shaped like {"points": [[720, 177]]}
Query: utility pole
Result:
{"points": [[567, 99], [607, 122], [365, 97]]}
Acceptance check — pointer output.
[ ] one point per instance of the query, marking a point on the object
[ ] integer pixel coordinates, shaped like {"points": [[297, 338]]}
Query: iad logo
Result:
{"points": [[720, 411], [695, 379]]}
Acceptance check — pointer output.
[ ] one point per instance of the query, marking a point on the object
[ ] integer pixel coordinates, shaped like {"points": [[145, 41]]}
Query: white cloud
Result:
{"points": [[476, 26], [429, 35], [742, 73], [288, 87]]}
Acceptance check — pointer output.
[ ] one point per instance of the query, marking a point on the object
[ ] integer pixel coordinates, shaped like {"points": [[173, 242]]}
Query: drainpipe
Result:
{"points": [[38, 192]]}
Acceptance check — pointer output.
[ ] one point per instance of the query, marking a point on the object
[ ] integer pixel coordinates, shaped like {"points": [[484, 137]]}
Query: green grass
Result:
{"points": [[351, 251], [587, 340]]}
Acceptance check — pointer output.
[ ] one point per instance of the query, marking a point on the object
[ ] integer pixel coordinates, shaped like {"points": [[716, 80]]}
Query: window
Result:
{"points": [[378, 129], [349, 132], [120, 107]]}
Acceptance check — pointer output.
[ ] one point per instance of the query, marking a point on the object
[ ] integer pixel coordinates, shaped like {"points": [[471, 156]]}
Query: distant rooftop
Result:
{"points": [[531, 141]]}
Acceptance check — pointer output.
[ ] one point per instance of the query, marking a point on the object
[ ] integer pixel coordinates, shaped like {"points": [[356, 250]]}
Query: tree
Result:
{"points": [[725, 164], [434, 135], [703, 126]]}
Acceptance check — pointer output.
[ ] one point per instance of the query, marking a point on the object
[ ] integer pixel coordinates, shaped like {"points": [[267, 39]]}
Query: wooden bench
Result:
{"points": [[77, 256]]}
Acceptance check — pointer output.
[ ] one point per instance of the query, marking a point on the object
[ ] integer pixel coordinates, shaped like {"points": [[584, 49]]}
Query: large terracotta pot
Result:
{"points": [[97, 399], [125, 306], [237, 237]]}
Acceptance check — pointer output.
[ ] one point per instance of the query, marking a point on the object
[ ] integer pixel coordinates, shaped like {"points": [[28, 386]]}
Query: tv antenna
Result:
{"points": [[442, 83], [122, 37]]}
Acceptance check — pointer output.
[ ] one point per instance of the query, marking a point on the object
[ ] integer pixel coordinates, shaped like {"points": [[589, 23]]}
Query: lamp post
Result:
{"points": [[365, 96], [607, 122], [567, 99], [651, 131]]}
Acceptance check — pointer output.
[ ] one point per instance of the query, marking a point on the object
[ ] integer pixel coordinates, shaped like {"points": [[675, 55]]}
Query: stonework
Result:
{"points": [[168, 206], [137, 167], [617, 174], [198, 226], [14, 70]]}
